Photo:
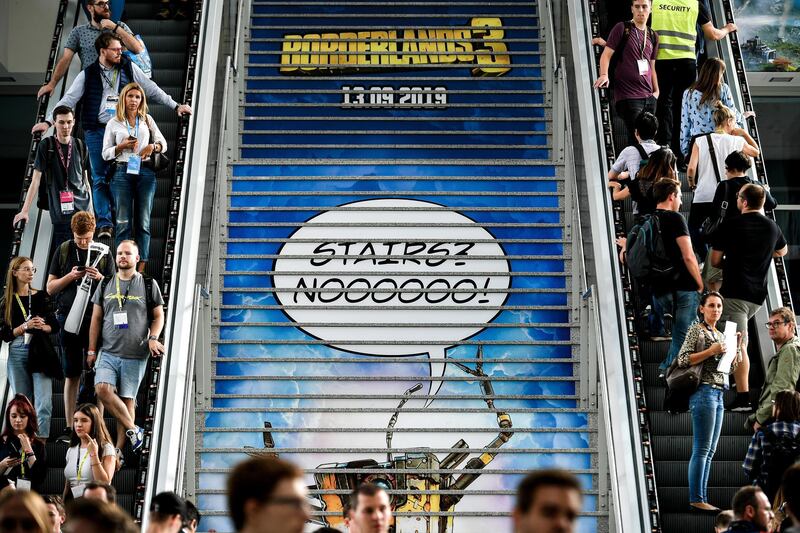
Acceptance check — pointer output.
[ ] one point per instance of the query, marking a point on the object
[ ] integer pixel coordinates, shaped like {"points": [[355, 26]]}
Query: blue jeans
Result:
{"points": [[101, 195], [36, 387], [707, 411], [684, 306], [133, 196]]}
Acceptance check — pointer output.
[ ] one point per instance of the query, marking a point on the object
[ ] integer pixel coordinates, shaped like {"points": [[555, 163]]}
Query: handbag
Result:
{"points": [[688, 378], [42, 356], [157, 162]]}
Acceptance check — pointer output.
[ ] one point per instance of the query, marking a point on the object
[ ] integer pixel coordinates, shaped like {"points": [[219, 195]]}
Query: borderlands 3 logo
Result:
{"points": [[321, 54]]}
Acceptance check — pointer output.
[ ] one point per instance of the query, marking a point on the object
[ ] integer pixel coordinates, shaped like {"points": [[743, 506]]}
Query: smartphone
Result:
{"points": [[81, 268]]}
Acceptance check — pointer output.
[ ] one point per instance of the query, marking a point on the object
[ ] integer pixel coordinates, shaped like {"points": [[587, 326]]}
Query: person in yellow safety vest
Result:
{"points": [[675, 22]]}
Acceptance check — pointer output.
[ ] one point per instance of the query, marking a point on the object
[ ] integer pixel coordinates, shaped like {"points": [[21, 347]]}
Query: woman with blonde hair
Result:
{"points": [[23, 510], [131, 139], [700, 100], [27, 321], [91, 455]]}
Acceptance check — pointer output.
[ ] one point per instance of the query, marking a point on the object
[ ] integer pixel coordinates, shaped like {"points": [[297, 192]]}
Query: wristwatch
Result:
{"points": [[152, 338], [91, 352]]}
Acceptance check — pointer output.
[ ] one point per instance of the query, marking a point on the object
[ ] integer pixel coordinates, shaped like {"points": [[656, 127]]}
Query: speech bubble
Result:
{"points": [[407, 300]]}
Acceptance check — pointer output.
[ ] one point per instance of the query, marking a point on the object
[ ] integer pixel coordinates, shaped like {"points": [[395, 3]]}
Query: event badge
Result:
{"points": [[23, 484], [134, 164], [121, 319], [67, 202], [111, 106], [644, 66], [77, 490]]}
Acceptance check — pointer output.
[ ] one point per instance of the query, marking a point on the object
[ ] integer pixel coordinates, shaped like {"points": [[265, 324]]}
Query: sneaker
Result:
{"points": [[104, 232], [136, 437], [120, 459], [66, 436], [741, 404]]}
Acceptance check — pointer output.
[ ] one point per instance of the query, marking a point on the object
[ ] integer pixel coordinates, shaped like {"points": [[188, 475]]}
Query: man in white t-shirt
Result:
{"points": [[705, 172], [631, 157]]}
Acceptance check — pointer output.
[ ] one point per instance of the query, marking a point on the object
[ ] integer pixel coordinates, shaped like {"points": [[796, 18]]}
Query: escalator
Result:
{"points": [[172, 46], [669, 437]]}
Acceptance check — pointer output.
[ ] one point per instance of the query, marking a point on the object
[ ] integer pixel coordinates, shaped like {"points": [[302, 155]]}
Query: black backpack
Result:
{"points": [[148, 293], [50, 146], [646, 254], [784, 451]]}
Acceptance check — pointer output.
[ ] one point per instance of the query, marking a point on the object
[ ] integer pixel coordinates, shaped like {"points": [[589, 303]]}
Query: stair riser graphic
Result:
{"points": [[381, 247]]}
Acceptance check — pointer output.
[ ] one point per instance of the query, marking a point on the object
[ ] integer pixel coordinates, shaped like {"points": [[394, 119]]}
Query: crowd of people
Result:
{"points": [[711, 269]]}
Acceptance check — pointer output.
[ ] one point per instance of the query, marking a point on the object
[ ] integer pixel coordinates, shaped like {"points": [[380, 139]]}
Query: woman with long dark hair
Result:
{"points": [[661, 164], [27, 321], [701, 99], [91, 455], [23, 458], [705, 345]]}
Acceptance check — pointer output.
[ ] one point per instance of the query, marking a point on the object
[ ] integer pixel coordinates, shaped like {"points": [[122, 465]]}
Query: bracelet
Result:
{"points": [[115, 28], [95, 464]]}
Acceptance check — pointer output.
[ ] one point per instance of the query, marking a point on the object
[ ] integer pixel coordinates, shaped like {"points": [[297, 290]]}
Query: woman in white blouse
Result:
{"points": [[91, 455], [131, 137]]}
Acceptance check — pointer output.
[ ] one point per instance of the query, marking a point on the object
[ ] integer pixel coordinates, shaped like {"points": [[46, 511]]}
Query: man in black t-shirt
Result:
{"points": [[748, 243], [67, 270], [681, 296], [63, 162]]}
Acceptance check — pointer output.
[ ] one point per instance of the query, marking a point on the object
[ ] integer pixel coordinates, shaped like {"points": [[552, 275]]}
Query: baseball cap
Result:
{"points": [[168, 503]]}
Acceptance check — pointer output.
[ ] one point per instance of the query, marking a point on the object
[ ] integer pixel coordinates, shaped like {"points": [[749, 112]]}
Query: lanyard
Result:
{"points": [[644, 40], [112, 83], [711, 330], [122, 298], [25, 314], [136, 131], [65, 161], [79, 468], [22, 459]]}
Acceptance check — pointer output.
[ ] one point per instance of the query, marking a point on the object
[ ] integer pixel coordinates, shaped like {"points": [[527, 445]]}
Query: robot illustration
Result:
{"points": [[422, 488]]}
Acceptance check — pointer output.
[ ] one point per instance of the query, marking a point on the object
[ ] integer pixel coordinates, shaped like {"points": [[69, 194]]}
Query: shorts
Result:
{"points": [[73, 349], [739, 311], [124, 374]]}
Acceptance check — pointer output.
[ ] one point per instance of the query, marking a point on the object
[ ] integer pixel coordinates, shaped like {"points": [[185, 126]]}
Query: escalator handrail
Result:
{"points": [[158, 367], [626, 283]]}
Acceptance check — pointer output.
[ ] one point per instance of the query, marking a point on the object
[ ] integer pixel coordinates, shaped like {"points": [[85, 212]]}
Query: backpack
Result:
{"points": [[148, 293], [628, 27], [42, 201], [646, 255], [784, 452]]}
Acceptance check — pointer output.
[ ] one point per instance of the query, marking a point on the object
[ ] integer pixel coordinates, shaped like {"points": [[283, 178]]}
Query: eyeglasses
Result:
{"points": [[775, 324], [117, 50], [32, 270], [297, 503], [101, 5]]}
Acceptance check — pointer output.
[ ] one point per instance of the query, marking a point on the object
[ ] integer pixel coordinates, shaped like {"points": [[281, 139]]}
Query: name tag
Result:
{"points": [[644, 66], [121, 319], [23, 484], [67, 202], [134, 164], [111, 106], [77, 490]]}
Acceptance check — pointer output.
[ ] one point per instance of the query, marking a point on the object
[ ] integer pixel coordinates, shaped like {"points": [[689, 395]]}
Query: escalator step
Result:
{"points": [[662, 423], [654, 352], [679, 448], [148, 28], [686, 521], [723, 474], [676, 499]]}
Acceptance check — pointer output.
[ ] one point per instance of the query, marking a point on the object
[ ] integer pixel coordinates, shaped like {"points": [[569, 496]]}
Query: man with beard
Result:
{"points": [[130, 320], [81, 40]]}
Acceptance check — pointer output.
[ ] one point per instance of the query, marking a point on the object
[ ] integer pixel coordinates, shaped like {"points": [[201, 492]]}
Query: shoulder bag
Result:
{"points": [[687, 379]]}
